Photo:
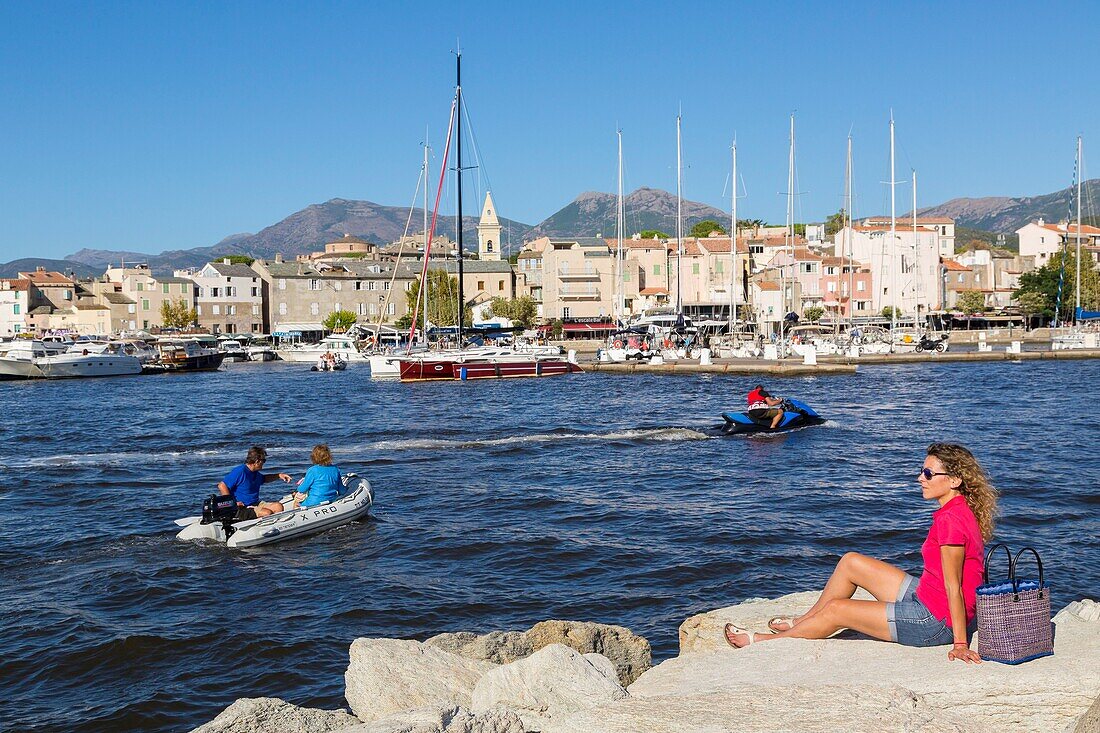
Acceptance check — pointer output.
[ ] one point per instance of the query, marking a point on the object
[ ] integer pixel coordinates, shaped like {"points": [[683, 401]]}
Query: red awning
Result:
{"points": [[588, 326]]}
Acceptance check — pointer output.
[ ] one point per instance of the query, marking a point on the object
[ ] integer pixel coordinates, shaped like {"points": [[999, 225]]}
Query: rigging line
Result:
{"points": [[1065, 244], [472, 134], [397, 263], [431, 231]]}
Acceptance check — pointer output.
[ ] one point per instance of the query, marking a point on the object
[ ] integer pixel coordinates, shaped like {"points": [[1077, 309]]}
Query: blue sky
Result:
{"points": [[152, 125]]}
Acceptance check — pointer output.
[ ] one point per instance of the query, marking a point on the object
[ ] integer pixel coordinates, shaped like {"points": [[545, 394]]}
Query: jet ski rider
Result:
{"points": [[243, 484], [763, 406]]}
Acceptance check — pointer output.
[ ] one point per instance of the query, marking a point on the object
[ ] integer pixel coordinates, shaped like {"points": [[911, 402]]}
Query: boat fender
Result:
{"points": [[645, 346], [618, 344]]}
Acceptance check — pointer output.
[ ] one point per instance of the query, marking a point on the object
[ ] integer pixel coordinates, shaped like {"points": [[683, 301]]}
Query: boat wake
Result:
{"points": [[634, 435]]}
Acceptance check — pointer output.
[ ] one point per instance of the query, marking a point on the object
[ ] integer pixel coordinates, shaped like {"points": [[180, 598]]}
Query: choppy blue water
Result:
{"points": [[499, 504]]}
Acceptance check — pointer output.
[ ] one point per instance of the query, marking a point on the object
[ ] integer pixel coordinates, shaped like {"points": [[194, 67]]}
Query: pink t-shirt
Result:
{"points": [[952, 524]]}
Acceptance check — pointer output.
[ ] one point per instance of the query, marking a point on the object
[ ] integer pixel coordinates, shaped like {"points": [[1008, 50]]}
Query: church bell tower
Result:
{"points": [[488, 231]]}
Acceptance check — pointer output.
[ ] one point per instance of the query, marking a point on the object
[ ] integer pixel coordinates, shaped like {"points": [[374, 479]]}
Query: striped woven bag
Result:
{"points": [[1014, 614]]}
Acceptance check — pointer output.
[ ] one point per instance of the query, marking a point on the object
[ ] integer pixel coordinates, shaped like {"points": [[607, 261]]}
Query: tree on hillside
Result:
{"points": [[177, 315], [971, 301], [442, 301], [704, 228], [1045, 281], [339, 321], [235, 259], [521, 311], [835, 222], [813, 314], [654, 234]]}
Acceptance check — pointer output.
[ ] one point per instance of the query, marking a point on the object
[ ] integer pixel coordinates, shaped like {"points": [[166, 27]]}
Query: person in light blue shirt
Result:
{"points": [[322, 481]]}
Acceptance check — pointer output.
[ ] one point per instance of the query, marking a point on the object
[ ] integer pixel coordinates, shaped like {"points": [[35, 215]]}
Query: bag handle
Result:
{"points": [[989, 554], [1012, 572]]}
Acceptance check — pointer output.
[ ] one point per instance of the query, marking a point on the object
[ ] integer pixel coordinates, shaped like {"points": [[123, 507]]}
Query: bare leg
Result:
{"points": [[266, 508], [778, 419], [866, 617], [880, 579]]}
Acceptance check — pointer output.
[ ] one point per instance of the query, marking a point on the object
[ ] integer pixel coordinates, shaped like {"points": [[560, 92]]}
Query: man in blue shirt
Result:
{"points": [[243, 484]]}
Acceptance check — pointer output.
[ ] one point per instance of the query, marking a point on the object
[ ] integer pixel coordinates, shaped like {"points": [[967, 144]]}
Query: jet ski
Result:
{"points": [[796, 415], [216, 522]]}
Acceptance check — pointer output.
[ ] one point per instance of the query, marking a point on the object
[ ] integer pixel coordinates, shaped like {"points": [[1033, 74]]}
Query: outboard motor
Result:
{"points": [[220, 508]]}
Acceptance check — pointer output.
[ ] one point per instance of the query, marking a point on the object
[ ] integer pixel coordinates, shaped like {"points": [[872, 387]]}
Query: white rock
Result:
{"points": [[1089, 722], [553, 681], [603, 664], [272, 715], [703, 632], [444, 720], [1085, 610], [391, 675], [1047, 694], [772, 709]]}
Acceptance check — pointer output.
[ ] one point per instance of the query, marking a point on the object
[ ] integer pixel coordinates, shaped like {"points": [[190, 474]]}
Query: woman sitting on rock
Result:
{"points": [[936, 609], [322, 481]]}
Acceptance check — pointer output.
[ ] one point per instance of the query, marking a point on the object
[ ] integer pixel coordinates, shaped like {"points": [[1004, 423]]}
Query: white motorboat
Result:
{"points": [[343, 346], [260, 351], [285, 525], [84, 359], [233, 350]]}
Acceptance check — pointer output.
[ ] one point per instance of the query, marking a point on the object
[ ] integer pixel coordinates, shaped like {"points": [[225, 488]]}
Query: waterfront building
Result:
{"points": [[122, 308], [347, 247], [1040, 240], [148, 291], [845, 287], [15, 294], [996, 273], [910, 264], [297, 296], [228, 298], [804, 266], [411, 247], [573, 278], [482, 280]]}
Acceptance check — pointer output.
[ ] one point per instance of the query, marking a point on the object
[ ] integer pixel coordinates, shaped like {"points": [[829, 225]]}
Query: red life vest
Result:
{"points": [[757, 398]]}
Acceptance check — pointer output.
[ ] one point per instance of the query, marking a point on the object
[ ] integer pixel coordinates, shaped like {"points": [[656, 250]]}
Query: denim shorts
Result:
{"points": [[910, 621]]}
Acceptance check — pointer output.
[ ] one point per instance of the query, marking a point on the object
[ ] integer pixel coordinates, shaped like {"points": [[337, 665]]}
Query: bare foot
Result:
{"points": [[737, 637]]}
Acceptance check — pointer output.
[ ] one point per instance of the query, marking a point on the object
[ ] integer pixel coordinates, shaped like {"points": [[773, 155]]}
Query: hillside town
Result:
{"points": [[854, 273]]}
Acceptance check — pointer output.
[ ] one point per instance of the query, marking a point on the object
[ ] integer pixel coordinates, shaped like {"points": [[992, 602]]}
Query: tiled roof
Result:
{"points": [[902, 226], [451, 266], [15, 283], [767, 285], [91, 307], [1066, 228], [653, 291], [291, 269], [42, 310], [955, 266], [117, 298], [46, 277], [171, 279], [920, 219]]}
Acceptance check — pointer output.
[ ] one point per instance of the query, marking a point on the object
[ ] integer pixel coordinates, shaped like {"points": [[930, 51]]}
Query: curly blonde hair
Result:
{"points": [[976, 487]]}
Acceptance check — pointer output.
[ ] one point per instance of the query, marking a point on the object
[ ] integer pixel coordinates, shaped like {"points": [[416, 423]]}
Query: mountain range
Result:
{"points": [[589, 214]]}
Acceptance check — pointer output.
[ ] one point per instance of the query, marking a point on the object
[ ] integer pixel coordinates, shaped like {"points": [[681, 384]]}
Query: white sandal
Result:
{"points": [[738, 630], [773, 622]]}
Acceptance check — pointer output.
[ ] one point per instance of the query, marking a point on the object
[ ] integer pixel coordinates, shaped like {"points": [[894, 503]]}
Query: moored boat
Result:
{"points": [[342, 346], [178, 355]]}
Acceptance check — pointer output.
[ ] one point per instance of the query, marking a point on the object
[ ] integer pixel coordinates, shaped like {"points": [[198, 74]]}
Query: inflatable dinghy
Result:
{"points": [[286, 525], [796, 415]]}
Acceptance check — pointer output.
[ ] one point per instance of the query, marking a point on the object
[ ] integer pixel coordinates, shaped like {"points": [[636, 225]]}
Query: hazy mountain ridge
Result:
{"points": [[28, 264], [1004, 215], [589, 214]]}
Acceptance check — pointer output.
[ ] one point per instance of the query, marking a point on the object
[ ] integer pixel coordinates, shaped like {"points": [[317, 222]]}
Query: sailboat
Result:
{"points": [[1076, 338], [483, 362]]}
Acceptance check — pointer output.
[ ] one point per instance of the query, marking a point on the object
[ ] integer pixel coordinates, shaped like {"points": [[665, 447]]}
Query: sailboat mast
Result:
{"points": [[848, 236], [458, 190], [790, 232], [424, 295], [916, 255], [1077, 311], [893, 239], [620, 305], [733, 242], [679, 222]]}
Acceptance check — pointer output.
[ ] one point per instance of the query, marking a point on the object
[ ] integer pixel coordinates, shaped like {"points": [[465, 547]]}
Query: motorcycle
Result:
{"points": [[929, 343]]}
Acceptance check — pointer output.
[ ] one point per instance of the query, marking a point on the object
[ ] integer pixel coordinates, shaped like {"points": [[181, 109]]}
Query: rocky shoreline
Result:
{"points": [[582, 677]]}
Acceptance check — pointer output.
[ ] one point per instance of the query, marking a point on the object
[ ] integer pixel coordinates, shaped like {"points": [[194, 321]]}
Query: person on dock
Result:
{"points": [[936, 609], [243, 484], [322, 481], [763, 406]]}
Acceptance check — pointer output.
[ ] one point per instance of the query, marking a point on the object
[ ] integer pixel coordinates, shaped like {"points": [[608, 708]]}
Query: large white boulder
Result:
{"points": [[774, 709], [1047, 694], [552, 682], [444, 720], [272, 715], [630, 653], [391, 675]]}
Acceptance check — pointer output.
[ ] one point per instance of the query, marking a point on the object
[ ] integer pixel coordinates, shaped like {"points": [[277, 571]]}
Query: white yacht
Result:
{"points": [[84, 359], [343, 346], [233, 350]]}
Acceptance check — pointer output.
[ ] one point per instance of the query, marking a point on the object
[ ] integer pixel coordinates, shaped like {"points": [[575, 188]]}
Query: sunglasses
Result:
{"points": [[927, 474]]}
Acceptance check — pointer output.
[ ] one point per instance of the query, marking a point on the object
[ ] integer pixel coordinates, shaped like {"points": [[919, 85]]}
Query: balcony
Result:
{"points": [[577, 273], [579, 294]]}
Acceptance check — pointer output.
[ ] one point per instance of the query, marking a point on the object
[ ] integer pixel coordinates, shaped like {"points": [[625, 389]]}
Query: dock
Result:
{"points": [[830, 365]]}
